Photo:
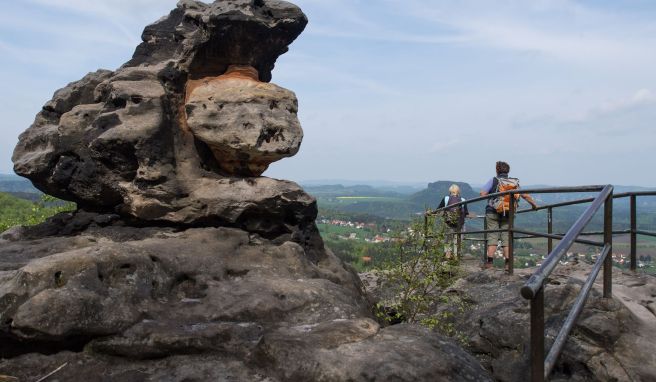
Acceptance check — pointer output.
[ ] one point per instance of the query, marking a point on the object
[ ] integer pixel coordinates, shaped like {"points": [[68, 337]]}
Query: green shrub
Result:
{"points": [[15, 211], [416, 272]]}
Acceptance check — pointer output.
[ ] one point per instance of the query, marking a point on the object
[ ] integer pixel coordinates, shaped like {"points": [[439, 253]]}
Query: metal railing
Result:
{"points": [[533, 289]]}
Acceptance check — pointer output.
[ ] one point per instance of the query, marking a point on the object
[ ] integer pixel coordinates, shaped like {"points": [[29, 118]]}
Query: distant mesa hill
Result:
{"points": [[335, 190], [432, 196], [13, 183], [384, 202]]}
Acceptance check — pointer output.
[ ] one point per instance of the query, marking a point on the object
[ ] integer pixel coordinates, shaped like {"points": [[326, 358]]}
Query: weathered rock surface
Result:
{"points": [[245, 122], [164, 304], [162, 140], [182, 263], [611, 341]]}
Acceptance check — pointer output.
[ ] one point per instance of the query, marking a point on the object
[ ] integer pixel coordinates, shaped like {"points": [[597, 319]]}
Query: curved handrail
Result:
{"points": [[547, 190], [552, 190], [587, 200], [534, 283], [555, 205], [575, 312], [634, 193], [533, 289]]}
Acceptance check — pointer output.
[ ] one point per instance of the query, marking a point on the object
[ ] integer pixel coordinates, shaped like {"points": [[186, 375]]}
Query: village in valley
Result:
{"points": [[368, 232], [363, 240]]}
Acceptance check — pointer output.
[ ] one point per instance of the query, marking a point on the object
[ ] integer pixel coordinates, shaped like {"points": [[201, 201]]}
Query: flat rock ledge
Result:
{"points": [[119, 303]]}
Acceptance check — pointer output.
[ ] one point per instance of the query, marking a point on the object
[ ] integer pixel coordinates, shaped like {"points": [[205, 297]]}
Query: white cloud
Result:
{"points": [[445, 145], [642, 97], [126, 16], [387, 36], [307, 68], [560, 29], [623, 125]]}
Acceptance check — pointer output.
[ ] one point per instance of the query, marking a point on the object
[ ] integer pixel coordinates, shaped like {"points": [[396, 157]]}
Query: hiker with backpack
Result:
{"points": [[497, 209], [454, 218]]}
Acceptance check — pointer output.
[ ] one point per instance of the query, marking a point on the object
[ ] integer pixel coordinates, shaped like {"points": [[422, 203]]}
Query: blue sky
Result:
{"points": [[404, 90]]}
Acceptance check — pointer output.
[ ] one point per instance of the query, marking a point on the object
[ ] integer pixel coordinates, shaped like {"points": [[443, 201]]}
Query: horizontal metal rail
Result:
{"points": [[526, 237], [534, 283], [646, 233], [481, 239], [555, 205], [549, 190], [586, 200], [558, 237], [634, 193], [574, 313], [599, 233], [483, 231], [530, 234]]}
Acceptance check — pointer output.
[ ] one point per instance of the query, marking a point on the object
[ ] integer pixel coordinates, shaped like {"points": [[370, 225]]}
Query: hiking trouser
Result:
{"points": [[497, 221], [451, 239]]}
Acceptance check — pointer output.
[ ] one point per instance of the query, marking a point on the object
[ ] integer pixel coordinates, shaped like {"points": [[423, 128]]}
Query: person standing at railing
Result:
{"points": [[496, 211], [454, 219]]}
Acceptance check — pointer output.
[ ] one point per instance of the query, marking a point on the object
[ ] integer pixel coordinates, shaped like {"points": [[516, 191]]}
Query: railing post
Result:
{"points": [[425, 240], [634, 227], [511, 236], [608, 240], [537, 336], [549, 229], [459, 243], [485, 240]]}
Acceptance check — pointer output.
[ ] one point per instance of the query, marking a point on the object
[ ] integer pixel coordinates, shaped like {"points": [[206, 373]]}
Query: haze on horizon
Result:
{"points": [[403, 90]]}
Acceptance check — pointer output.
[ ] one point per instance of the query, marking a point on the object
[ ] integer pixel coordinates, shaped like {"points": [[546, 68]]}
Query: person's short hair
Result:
{"points": [[502, 168], [454, 189]]}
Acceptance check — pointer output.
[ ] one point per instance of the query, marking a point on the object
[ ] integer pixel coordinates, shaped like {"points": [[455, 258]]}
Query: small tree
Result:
{"points": [[415, 273]]}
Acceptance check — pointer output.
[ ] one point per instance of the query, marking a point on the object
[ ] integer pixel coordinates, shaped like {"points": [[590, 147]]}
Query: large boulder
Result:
{"points": [[248, 124], [174, 136]]}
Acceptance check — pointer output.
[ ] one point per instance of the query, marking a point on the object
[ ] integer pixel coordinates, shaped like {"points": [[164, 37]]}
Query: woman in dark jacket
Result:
{"points": [[454, 218]]}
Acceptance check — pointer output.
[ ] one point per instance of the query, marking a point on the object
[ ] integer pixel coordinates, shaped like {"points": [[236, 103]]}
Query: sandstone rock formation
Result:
{"points": [[180, 133], [248, 124], [120, 303], [182, 262]]}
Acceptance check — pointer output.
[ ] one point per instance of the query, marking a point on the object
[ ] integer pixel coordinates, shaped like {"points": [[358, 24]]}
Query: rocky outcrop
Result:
{"points": [[182, 263], [611, 341], [115, 302], [180, 133]]}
